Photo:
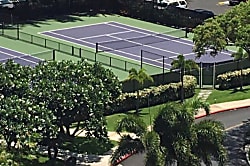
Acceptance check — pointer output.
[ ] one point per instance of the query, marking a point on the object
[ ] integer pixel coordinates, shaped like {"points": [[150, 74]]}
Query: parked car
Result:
{"points": [[208, 13], [163, 4], [235, 2]]}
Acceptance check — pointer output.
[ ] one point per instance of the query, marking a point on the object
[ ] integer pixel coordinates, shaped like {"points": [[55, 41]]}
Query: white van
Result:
{"points": [[163, 4]]}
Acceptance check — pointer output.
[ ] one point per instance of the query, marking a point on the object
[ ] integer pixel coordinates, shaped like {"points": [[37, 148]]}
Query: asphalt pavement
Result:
{"points": [[103, 160], [217, 6], [231, 114]]}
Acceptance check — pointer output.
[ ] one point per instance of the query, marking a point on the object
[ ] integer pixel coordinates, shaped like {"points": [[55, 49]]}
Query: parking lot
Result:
{"points": [[217, 6]]}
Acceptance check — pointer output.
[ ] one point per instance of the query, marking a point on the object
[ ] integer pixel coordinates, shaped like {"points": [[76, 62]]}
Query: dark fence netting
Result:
{"points": [[171, 16]]}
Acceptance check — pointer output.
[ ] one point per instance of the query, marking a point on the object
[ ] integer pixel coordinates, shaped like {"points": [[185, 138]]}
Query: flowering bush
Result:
{"points": [[153, 95], [232, 79]]}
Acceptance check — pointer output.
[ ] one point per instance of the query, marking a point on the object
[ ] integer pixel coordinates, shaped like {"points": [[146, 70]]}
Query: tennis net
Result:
{"points": [[45, 55], [140, 40]]}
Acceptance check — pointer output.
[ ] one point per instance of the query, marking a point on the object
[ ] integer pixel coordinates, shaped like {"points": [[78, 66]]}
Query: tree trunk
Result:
{"points": [[182, 85], [50, 155], [76, 129], [137, 102], [241, 79], [52, 145]]}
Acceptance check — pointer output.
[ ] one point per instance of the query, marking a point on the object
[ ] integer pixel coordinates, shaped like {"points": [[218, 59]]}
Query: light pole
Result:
{"points": [[149, 111]]}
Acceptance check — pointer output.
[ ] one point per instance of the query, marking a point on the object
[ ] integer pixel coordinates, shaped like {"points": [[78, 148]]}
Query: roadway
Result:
{"points": [[230, 119], [217, 6]]}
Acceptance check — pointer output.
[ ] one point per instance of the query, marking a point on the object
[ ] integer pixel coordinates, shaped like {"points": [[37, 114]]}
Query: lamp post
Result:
{"points": [[149, 111]]}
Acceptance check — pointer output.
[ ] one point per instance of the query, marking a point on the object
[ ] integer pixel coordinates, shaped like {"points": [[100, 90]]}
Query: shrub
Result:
{"points": [[232, 79], [155, 94]]}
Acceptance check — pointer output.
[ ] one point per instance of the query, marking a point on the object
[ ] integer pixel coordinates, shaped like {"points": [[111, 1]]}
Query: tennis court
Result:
{"points": [[18, 57], [157, 49]]}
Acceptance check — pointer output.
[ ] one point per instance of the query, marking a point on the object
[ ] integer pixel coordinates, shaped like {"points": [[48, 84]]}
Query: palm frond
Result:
{"points": [[133, 124], [197, 103], [127, 145], [210, 136], [151, 140], [140, 76], [239, 55]]}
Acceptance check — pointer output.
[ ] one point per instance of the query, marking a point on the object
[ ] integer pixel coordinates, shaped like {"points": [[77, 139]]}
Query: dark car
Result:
{"points": [[205, 12], [235, 2]]}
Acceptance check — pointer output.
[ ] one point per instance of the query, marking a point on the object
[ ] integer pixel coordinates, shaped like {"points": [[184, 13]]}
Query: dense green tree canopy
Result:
{"points": [[15, 79], [36, 102], [140, 77], [232, 27], [182, 137], [183, 65], [175, 138], [77, 93], [23, 120]]}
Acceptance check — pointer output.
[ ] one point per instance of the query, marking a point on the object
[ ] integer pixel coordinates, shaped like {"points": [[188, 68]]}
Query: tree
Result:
{"points": [[77, 93], [15, 79], [140, 77], [183, 65], [22, 120], [144, 141], [209, 138], [175, 138], [180, 136], [196, 104], [231, 27], [239, 56]]}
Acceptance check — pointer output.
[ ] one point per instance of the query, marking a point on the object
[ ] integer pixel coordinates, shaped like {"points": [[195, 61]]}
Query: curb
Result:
{"points": [[220, 111], [123, 158], [196, 117]]}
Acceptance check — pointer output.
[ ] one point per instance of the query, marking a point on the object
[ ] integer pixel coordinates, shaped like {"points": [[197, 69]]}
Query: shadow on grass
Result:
{"points": [[37, 22], [236, 90], [85, 145], [36, 159], [140, 113]]}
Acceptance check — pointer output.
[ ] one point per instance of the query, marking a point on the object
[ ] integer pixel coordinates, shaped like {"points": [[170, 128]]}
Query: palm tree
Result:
{"points": [[196, 104], [143, 141], [239, 56], [175, 138], [140, 77], [183, 65], [180, 136], [209, 140]]}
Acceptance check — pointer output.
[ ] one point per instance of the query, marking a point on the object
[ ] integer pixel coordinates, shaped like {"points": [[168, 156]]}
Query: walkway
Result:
{"points": [[103, 160]]}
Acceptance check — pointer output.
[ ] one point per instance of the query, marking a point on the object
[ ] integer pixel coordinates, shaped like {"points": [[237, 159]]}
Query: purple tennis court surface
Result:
{"points": [[23, 59], [135, 43]]}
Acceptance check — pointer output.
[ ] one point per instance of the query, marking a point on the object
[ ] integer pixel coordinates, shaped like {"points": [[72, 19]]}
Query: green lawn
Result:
{"points": [[147, 114], [217, 96], [17, 158], [87, 145], [220, 96]]}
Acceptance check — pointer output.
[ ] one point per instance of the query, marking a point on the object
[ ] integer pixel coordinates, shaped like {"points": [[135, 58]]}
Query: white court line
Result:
{"points": [[164, 58], [68, 38], [109, 47], [114, 54], [154, 33], [17, 52], [229, 128], [156, 48], [18, 57], [223, 52], [90, 37], [79, 26], [128, 30]]}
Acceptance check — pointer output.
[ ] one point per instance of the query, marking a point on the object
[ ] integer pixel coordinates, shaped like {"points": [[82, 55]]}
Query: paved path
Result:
{"points": [[103, 160], [204, 93], [215, 108]]}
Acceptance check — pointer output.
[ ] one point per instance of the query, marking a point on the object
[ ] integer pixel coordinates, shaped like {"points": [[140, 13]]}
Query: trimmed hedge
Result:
{"points": [[232, 79], [153, 96]]}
